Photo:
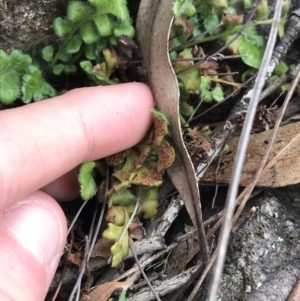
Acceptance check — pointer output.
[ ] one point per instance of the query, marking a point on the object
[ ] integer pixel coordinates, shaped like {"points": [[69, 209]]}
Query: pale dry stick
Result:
{"points": [[83, 264], [143, 273], [76, 217], [280, 81], [156, 256], [241, 152], [169, 248], [262, 167], [93, 242], [204, 274], [182, 46], [132, 215]]}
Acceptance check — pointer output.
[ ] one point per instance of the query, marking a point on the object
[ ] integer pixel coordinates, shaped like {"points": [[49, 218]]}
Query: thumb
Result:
{"points": [[32, 237]]}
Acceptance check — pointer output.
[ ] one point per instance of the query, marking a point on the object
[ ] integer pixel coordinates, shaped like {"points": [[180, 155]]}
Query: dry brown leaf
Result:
{"points": [[102, 248], [75, 258], [153, 28], [283, 170], [103, 291]]}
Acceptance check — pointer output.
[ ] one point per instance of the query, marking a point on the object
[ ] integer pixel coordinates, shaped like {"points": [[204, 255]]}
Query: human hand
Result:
{"points": [[40, 145]]}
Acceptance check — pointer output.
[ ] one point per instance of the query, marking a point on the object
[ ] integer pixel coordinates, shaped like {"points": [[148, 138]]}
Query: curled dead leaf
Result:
{"points": [[153, 23], [103, 291], [282, 167]]}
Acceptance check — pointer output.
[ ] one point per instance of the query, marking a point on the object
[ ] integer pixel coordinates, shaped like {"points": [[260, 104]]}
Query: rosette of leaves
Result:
{"points": [[146, 162], [88, 28], [140, 168], [20, 79]]}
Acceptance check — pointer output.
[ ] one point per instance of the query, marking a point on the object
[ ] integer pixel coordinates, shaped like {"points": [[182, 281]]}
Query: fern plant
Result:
{"points": [[88, 28], [20, 79]]}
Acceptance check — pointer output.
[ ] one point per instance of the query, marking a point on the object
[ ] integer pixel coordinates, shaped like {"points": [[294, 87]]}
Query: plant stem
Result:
{"points": [[227, 32]]}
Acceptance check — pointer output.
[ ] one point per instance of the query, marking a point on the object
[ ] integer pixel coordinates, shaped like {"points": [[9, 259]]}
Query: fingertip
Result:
{"points": [[32, 236]]}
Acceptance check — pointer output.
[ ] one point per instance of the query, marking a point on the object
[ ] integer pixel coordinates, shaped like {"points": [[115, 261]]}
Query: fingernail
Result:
{"points": [[36, 226]]}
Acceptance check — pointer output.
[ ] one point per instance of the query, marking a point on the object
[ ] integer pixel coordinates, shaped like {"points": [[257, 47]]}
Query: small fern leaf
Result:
{"points": [[79, 11], [74, 44], [62, 27], [88, 187], [47, 53], [125, 29], [89, 33], [104, 24]]}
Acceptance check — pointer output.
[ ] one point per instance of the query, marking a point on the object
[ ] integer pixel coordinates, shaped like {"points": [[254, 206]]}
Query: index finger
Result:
{"points": [[42, 141]]}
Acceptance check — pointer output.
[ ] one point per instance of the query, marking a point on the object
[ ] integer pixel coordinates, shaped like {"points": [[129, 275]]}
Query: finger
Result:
{"points": [[65, 188], [32, 238], [42, 141]]}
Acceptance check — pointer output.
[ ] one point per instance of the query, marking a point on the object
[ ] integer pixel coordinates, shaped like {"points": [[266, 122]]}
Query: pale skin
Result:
{"points": [[41, 146]]}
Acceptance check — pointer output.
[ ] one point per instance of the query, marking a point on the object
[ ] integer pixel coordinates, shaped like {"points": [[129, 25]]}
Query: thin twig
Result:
{"points": [[132, 215], [83, 263], [143, 273], [241, 151], [182, 45], [76, 217], [64, 269]]}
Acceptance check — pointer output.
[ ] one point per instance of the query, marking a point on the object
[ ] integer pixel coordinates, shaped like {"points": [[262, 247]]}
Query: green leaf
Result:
{"points": [[247, 3], [252, 55], [217, 94], [58, 69], [149, 202], [19, 61], [104, 24], [10, 90], [69, 69], [88, 186], [98, 78], [250, 35], [117, 8], [12, 68], [206, 96], [34, 86], [185, 108], [90, 51], [116, 215], [262, 10], [47, 53], [281, 68], [64, 56], [211, 21], [37, 95], [46, 89], [125, 29], [79, 11], [122, 197], [205, 82], [122, 297], [184, 8], [119, 250], [73, 45], [62, 27], [89, 32], [188, 9]]}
